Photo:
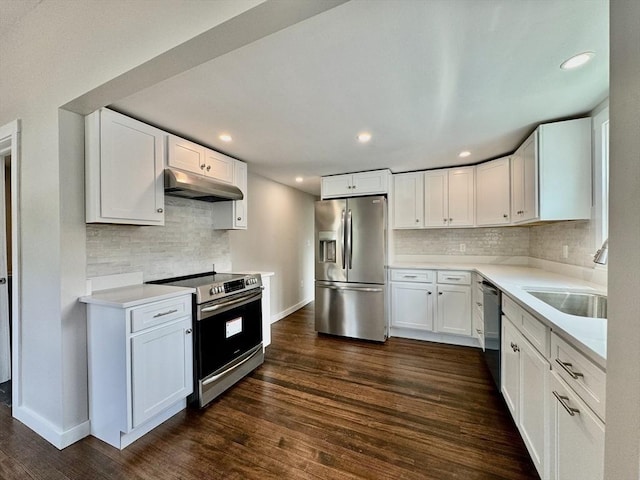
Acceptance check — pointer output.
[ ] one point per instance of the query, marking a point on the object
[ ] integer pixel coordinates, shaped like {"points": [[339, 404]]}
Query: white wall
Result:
{"points": [[279, 239], [622, 450]]}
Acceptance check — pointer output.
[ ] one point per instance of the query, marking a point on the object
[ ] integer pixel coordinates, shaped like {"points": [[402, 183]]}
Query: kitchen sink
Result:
{"points": [[582, 304]]}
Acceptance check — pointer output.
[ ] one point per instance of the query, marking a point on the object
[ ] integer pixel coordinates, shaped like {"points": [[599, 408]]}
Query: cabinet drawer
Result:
{"points": [[158, 313], [580, 373], [451, 277], [511, 310], [536, 332], [422, 276]]}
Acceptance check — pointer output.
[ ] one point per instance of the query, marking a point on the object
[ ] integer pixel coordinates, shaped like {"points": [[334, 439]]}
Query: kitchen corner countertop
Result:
{"points": [[134, 295], [587, 334]]}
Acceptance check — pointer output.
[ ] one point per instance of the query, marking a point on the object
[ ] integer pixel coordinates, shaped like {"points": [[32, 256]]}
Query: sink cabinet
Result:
{"points": [[140, 366]]}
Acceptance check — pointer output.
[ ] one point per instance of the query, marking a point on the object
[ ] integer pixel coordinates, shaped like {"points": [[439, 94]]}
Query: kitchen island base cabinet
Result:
{"points": [[140, 367]]}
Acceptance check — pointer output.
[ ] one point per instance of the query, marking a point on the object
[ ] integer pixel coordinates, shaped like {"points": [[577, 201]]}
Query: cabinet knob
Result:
{"points": [[444, 220], [450, 220], [505, 216], [160, 210], [239, 218], [439, 293], [208, 167], [428, 293], [417, 220], [188, 331], [354, 187], [202, 166]]}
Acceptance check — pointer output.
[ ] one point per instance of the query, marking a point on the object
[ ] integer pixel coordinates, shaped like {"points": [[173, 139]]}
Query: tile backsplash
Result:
{"points": [[540, 241], [186, 244]]}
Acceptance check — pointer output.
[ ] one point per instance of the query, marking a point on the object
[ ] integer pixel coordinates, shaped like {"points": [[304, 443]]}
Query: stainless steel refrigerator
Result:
{"points": [[350, 238]]}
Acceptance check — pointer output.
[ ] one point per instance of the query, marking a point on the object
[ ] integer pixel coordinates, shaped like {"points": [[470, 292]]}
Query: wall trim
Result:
{"points": [[290, 310], [47, 430]]}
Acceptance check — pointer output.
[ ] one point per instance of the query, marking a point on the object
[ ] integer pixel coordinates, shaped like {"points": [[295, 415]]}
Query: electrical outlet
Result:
{"points": [[463, 247], [565, 251]]}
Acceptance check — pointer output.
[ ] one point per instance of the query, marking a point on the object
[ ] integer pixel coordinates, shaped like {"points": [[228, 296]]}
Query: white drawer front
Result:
{"points": [[457, 278], [582, 375], [511, 310], [422, 276], [161, 312], [536, 332]]}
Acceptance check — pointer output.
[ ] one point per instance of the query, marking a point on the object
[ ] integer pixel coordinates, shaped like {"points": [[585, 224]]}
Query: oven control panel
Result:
{"points": [[220, 290]]}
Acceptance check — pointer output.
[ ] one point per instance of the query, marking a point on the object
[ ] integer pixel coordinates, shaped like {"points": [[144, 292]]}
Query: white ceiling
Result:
{"points": [[428, 78], [12, 11]]}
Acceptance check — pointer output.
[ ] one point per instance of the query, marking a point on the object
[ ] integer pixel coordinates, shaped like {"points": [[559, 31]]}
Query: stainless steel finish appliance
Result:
{"points": [[492, 310], [179, 183], [350, 289], [227, 310]]}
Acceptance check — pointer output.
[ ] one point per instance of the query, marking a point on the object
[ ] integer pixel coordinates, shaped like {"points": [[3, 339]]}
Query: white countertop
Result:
{"points": [[134, 295], [589, 335]]}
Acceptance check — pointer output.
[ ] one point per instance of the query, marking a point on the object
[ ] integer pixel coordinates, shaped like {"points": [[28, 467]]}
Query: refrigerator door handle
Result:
{"points": [[350, 239], [343, 240]]}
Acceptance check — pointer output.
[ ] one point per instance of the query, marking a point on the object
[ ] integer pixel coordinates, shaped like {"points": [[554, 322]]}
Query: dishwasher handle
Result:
{"points": [[489, 288]]}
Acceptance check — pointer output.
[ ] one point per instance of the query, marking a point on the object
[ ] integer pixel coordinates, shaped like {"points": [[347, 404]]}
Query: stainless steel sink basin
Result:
{"points": [[581, 304]]}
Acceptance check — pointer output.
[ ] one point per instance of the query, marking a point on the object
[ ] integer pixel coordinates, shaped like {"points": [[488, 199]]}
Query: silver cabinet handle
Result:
{"points": [[409, 276], [563, 401], [567, 367], [162, 314], [453, 278]]}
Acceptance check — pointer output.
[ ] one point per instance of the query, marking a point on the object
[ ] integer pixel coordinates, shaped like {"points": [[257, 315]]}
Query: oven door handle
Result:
{"points": [[229, 370], [239, 301]]}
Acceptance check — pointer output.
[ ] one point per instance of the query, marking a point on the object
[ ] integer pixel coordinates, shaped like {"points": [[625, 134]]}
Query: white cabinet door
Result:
{"points": [[218, 166], [510, 367], [232, 215], [533, 424], [454, 309], [408, 200], [124, 170], [576, 437], [436, 198], [370, 183], [161, 369], [412, 305], [530, 183], [461, 197], [336, 186], [517, 186], [493, 192], [185, 155]]}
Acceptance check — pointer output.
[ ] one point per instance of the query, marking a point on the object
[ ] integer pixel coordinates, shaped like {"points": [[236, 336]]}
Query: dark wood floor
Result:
{"points": [[319, 408]]}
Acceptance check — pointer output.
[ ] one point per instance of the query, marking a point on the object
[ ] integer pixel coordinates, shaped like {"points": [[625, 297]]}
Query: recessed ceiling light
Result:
{"points": [[299, 179], [464, 154], [225, 137], [364, 137], [576, 61]]}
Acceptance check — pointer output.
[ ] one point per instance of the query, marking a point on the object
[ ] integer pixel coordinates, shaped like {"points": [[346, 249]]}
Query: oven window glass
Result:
{"points": [[226, 335]]}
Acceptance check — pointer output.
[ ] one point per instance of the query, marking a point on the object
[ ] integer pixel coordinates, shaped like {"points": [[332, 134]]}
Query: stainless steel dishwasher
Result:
{"points": [[492, 310]]}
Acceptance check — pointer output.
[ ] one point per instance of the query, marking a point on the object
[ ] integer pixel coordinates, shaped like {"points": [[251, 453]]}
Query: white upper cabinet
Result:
{"points": [[375, 182], [449, 197], [124, 163], [232, 215], [408, 200], [195, 158], [493, 193], [551, 173]]}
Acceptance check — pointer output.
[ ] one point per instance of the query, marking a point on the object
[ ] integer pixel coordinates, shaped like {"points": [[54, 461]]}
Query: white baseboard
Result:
{"points": [[47, 430], [279, 316]]}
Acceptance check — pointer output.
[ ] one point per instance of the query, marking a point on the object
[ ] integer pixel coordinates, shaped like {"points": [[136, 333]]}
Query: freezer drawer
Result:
{"points": [[351, 310]]}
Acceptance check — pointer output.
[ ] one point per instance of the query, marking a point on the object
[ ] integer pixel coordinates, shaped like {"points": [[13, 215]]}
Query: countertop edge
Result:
{"points": [[134, 295]]}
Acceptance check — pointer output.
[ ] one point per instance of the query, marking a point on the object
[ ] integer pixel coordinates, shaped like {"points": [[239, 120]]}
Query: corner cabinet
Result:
{"points": [[375, 182], [140, 365], [124, 164], [551, 173]]}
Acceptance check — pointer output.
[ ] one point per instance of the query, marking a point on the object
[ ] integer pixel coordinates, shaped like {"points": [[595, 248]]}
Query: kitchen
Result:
{"points": [[52, 279]]}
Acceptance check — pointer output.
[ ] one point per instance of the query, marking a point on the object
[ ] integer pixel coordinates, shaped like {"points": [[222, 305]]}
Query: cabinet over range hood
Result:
{"points": [[178, 183]]}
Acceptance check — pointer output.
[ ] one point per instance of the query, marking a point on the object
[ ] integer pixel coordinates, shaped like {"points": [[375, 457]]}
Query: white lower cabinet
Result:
{"points": [[576, 437], [524, 385], [454, 309], [412, 305], [140, 366]]}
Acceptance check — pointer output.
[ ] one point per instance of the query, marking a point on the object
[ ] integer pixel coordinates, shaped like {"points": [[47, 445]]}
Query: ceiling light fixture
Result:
{"points": [[299, 179], [364, 137], [464, 154], [576, 61], [225, 137]]}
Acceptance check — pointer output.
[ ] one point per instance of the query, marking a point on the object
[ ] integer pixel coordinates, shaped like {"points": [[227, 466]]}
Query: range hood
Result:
{"points": [[178, 183]]}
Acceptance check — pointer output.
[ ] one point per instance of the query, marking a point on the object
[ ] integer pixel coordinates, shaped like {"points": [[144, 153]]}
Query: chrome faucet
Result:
{"points": [[602, 255]]}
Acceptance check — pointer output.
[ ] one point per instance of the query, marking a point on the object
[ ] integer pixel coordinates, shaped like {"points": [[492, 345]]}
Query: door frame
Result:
{"points": [[10, 145]]}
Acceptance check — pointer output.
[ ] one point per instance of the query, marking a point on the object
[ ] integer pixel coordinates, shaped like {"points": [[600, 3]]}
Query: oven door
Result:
{"points": [[226, 330]]}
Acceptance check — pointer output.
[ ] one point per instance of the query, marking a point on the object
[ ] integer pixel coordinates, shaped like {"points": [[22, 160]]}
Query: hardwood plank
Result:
{"points": [[320, 407]]}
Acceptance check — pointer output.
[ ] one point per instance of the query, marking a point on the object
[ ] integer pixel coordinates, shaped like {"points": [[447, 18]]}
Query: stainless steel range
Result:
{"points": [[227, 309]]}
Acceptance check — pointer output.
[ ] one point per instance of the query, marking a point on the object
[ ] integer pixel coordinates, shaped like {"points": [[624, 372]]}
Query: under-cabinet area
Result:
{"points": [[552, 364]]}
